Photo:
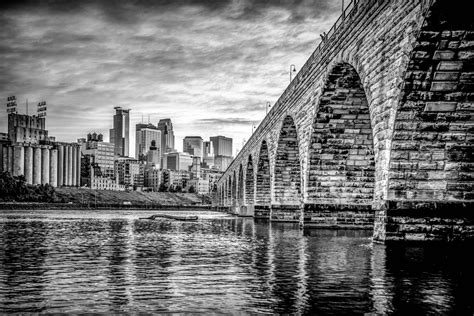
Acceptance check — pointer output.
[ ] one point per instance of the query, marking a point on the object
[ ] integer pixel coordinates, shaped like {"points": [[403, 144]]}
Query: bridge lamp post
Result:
{"points": [[268, 106], [292, 70]]}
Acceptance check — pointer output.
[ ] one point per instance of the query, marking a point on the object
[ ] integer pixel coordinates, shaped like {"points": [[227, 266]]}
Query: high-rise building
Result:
{"points": [[120, 134], [193, 145], [167, 135], [208, 155], [222, 146], [222, 152], [145, 135]]}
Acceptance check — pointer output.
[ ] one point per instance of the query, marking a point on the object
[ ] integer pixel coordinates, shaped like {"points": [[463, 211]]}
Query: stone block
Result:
{"points": [[450, 65], [444, 86], [444, 55]]}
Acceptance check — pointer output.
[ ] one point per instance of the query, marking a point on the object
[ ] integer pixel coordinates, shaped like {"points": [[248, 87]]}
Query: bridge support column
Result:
{"points": [[247, 210], [424, 221], [345, 216], [262, 211], [286, 213]]}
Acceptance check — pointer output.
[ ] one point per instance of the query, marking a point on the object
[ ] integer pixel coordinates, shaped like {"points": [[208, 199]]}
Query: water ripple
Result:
{"points": [[86, 261]]}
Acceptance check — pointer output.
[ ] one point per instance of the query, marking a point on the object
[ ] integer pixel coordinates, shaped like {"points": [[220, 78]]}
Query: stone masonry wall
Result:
{"points": [[424, 74]]}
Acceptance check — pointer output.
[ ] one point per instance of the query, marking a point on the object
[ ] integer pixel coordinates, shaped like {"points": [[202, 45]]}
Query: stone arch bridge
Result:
{"points": [[376, 130]]}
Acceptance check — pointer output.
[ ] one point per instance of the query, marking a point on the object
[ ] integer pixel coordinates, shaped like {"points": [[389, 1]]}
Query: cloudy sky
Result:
{"points": [[209, 65]]}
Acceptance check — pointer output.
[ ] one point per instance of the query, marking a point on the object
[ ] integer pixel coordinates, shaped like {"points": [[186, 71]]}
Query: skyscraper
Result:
{"points": [[222, 146], [222, 151], [145, 135], [208, 154], [120, 134], [193, 145], [167, 135]]}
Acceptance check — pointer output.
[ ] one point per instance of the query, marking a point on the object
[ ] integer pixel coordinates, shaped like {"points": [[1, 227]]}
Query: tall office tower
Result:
{"points": [[222, 151], [145, 135], [167, 135], [208, 155], [193, 145], [121, 132], [222, 146]]}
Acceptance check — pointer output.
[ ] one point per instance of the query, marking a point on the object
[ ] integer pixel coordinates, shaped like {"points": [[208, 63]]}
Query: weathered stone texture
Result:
{"points": [[381, 112]]}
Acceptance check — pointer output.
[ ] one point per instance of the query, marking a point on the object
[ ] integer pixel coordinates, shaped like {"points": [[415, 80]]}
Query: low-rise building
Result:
{"points": [[130, 172], [200, 186], [153, 179]]}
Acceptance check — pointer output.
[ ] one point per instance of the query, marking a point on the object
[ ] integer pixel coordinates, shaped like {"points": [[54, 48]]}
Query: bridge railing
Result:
{"points": [[346, 16]]}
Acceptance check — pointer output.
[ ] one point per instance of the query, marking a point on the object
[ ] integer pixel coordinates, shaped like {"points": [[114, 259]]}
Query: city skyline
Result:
{"points": [[209, 67]]}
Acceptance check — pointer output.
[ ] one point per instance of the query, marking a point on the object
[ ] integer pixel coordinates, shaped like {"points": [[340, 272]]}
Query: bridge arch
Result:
{"points": [[341, 165], [250, 182], [263, 183], [287, 174], [431, 155], [241, 186]]}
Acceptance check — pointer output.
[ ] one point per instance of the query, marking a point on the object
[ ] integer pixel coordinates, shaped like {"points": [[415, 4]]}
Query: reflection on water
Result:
{"points": [[71, 261]]}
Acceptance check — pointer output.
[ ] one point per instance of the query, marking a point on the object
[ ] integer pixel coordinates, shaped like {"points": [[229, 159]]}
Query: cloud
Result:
{"points": [[210, 66]]}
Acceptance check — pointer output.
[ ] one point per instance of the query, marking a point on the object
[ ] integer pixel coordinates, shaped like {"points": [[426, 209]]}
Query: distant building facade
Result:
{"points": [[153, 179], [120, 134], [28, 151], [222, 152], [222, 146], [167, 135], [103, 153], [193, 145], [145, 134], [208, 155], [177, 161], [200, 186], [175, 178], [129, 172]]}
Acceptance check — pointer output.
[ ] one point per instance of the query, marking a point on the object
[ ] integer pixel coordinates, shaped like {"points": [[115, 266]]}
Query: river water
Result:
{"points": [[112, 261]]}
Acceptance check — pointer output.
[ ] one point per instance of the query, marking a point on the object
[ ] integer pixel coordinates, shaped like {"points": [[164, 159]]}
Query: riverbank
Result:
{"points": [[80, 198], [93, 206]]}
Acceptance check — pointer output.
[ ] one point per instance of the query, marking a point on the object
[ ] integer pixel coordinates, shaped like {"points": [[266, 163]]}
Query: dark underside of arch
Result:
{"points": [[287, 183], [263, 191]]}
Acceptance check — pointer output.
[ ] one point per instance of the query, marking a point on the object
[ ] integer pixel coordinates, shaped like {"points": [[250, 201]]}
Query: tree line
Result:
{"points": [[15, 188]]}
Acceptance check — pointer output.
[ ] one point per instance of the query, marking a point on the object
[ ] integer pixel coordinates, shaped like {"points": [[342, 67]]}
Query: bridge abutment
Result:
{"points": [[425, 221], [286, 213], [344, 216], [262, 211]]}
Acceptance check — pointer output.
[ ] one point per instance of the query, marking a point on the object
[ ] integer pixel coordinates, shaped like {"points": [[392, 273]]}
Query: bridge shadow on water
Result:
{"points": [[221, 265]]}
